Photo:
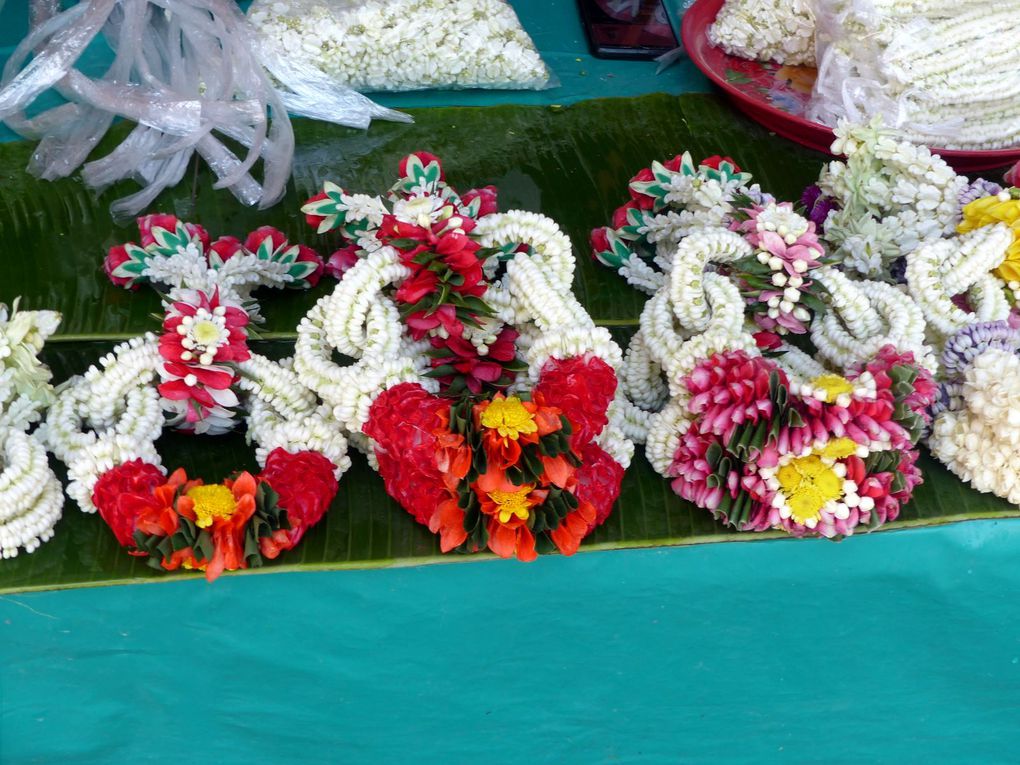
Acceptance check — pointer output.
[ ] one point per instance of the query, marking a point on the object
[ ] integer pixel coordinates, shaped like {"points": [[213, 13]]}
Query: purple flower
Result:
{"points": [[963, 347], [977, 190], [816, 205]]}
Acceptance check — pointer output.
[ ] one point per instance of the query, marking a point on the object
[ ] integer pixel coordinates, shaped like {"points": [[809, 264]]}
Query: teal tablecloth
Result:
{"points": [[898, 648]]}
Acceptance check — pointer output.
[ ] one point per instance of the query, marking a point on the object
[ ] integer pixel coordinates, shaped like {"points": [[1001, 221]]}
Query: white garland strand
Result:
{"points": [[938, 271], [31, 499]]}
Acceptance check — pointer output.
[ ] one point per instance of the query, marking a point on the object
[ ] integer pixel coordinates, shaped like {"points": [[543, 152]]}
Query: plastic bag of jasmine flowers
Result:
{"points": [[400, 45]]}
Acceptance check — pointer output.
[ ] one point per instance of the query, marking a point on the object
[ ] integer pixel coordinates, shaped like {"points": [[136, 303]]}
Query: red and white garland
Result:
{"points": [[478, 385], [196, 376]]}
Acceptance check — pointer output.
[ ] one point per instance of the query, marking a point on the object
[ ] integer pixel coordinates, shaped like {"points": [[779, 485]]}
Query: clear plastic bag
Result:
{"points": [[944, 73], [400, 45], [190, 74]]}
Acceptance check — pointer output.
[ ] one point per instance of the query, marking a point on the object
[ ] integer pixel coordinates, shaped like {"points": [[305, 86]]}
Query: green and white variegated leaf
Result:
{"points": [[299, 273], [725, 173], [419, 178], [134, 268], [618, 253], [637, 224], [169, 243], [332, 209]]}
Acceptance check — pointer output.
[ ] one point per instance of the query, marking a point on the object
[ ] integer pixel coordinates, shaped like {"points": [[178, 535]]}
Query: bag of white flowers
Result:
{"points": [[400, 45]]}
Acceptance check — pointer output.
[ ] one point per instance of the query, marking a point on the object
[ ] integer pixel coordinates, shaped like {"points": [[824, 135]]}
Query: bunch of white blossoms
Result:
{"points": [[30, 496], [380, 45], [891, 195], [766, 30]]}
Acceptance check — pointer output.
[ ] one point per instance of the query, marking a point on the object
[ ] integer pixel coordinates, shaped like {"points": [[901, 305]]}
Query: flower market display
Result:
{"points": [[743, 421], [766, 30], [480, 389], [31, 498], [380, 45], [199, 376]]}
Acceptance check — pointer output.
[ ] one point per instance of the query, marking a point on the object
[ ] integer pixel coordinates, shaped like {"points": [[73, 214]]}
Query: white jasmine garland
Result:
{"points": [[31, 499], [937, 74], [891, 195], [375, 45], [866, 315], [980, 440], [939, 271]]}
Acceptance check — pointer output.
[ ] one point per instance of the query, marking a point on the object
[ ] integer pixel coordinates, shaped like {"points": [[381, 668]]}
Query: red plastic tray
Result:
{"points": [[775, 96]]}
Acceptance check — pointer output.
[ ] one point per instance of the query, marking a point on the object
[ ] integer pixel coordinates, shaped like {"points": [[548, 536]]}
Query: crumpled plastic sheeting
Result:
{"points": [[190, 73]]}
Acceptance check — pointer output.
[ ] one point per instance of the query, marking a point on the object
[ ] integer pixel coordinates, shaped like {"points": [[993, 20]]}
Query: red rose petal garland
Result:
{"points": [[481, 389], [195, 377]]}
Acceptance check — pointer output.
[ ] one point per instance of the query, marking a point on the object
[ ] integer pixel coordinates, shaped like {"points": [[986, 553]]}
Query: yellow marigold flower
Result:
{"points": [[509, 417], [809, 484], [513, 503], [211, 502]]}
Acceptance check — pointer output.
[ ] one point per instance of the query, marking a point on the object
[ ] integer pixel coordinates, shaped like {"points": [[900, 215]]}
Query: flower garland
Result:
{"points": [[884, 200], [105, 423], [479, 387], [976, 432], [943, 72], [810, 445], [766, 30], [31, 499]]}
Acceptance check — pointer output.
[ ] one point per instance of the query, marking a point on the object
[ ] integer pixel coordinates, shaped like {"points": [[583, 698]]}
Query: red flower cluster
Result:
{"points": [[122, 493], [426, 465], [404, 421], [582, 387], [136, 497], [305, 485]]}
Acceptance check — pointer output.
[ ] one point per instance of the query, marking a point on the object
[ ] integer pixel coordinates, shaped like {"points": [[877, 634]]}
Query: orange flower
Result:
{"points": [[509, 509], [228, 525], [160, 518], [508, 422], [559, 472], [448, 521], [572, 529]]}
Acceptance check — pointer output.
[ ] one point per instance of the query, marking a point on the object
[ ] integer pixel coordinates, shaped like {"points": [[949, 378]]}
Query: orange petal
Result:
{"points": [[526, 545], [244, 484], [558, 471], [502, 540]]}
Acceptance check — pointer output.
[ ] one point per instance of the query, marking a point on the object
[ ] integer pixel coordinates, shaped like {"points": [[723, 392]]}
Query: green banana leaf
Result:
{"points": [[570, 163]]}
